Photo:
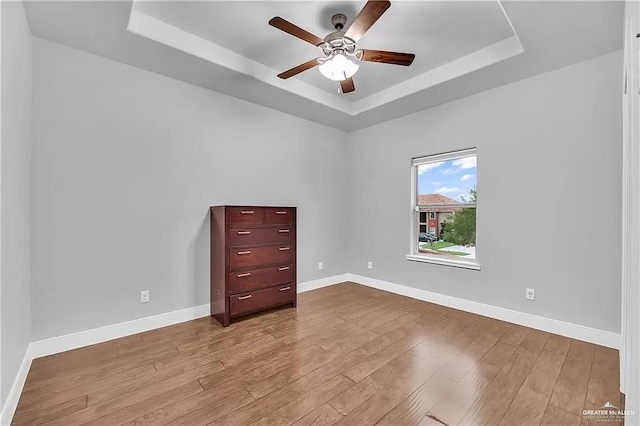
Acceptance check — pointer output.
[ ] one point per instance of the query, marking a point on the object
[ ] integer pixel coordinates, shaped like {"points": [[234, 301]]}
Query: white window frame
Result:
{"points": [[414, 255]]}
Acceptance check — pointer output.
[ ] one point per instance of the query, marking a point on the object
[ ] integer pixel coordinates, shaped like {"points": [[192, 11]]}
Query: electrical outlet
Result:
{"points": [[144, 296], [319, 265], [530, 294], [370, 264]]}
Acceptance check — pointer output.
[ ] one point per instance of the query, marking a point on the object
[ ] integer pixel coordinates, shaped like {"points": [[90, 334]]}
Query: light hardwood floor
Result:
{"points": [[348, 355]]}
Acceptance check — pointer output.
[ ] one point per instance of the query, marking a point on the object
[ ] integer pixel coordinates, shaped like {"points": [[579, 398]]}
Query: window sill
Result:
{"points": [[458, 263]]}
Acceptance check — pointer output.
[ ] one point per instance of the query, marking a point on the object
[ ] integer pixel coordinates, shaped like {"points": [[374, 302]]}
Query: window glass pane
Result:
{"points": [[423, 217], [444, 187], [447, 182], [455, 236]]}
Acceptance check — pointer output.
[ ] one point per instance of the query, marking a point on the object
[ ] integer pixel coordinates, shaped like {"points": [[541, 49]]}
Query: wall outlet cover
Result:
{"points": [[530, 294], [370, 264], [144, 296]]}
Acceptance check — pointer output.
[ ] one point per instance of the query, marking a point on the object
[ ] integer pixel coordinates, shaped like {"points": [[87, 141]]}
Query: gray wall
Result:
{"points": [[126, 163], [125, 166], [15, 192], [549, 179]]}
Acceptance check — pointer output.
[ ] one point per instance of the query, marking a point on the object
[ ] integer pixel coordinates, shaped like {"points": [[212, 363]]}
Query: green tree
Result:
{"points": [[443, 227], [461, 228]]}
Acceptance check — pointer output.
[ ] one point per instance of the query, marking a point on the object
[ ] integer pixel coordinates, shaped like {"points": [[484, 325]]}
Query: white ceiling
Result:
{"points": [[461, 47], [437, 32]]}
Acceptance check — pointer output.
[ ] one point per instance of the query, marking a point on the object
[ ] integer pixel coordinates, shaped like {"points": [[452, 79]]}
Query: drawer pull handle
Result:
{"points": [[281, 212], [285, 288], [246, 212], [244, 232], [283, 231], [246, 274], [283, 268], [240, 253], [284, 248], [244, 297]]}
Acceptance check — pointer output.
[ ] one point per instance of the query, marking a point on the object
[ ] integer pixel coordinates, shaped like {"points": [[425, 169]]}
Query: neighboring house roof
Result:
{"points": [[436, 199], [425, 199]]}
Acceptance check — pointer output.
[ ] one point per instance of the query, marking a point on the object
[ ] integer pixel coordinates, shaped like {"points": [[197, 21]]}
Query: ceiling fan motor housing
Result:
{"points": [[336, 42]]}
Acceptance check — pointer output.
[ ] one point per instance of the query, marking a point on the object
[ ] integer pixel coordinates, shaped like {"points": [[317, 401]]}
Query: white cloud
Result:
{"points": [[426, 167], [466, 162], [446, 190], [466, 177], [436, 183]]}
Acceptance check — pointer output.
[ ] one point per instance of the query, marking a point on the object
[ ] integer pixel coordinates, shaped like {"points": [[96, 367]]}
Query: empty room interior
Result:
{"points": [[320, 212]]}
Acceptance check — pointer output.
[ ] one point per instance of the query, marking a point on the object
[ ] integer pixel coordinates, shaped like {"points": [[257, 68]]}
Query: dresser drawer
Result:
{"points": [[240, 282], [246, 236], [274, 215], [260, 299], [259, 256], [245, 216]]}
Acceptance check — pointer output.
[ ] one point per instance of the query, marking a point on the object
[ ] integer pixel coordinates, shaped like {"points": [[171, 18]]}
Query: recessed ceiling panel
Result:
{"points": [[550, 35], [437, 32]]}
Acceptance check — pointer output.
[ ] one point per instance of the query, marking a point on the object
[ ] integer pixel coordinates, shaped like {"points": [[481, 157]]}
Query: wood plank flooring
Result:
{"points": [[348, 355]]}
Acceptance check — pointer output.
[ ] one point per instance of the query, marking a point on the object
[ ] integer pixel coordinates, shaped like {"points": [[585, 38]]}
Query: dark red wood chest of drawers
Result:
{"points": [[253, 259]]}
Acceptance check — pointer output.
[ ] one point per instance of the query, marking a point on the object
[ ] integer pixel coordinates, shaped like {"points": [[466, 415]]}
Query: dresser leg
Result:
{"points": [[222, 319]]}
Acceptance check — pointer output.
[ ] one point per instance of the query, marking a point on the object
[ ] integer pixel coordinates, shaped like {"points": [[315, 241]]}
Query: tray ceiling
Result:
{"points": [[461, 47], [437, 32]]}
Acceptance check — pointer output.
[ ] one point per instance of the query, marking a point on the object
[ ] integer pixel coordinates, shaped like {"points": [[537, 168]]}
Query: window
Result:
{"points": [[423, 221], [445, 189]]}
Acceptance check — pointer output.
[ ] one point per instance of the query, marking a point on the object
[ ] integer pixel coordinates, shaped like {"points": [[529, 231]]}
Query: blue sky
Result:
{"points": [[453, 178]]}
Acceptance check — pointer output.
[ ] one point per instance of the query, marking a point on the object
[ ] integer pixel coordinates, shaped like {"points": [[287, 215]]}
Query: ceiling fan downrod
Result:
{"points": [[338, 21]]}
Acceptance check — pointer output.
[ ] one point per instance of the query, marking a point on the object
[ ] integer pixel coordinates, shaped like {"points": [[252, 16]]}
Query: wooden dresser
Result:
{"points": [[253, 259]]}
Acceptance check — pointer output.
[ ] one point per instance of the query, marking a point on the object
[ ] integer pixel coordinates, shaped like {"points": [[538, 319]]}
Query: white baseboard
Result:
{"points": [[574, 331], [102, 334], [322, 282], [9, 407], [80, 339]]}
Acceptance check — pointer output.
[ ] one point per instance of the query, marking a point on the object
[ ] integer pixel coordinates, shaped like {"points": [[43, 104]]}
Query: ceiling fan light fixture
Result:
{"points": [[338, 68]]}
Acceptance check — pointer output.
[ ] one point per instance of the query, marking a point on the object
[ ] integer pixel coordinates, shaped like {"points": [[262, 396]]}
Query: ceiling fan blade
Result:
{"points": [[347, 85], [300, 68], [295, 31], [395, 58], [368, 16]]}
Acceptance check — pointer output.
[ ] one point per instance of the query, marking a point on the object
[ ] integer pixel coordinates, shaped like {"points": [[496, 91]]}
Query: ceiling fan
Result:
{"points": [[339, 47]]}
